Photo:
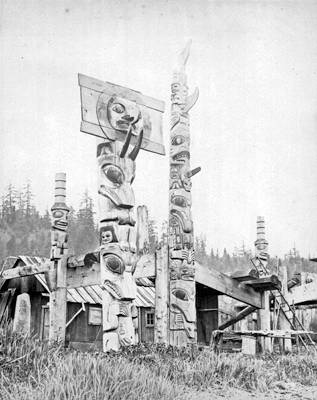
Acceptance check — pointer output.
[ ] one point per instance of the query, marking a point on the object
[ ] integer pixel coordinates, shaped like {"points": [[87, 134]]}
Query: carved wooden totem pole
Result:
{"points": [[56, 277], [261, 262], [261, 248], [182, 312], [126, 121]]}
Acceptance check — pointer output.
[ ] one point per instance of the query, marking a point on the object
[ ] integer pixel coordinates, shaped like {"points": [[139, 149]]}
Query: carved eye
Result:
{"points": [[179, 201], [114, 264], [118, 108], [177, 140], [114, 174], [58, 214], [180, 294]]}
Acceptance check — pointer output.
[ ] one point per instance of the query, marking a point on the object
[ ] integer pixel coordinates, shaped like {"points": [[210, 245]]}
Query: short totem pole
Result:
{"points": [[56, 277], [261, 262], [182, 312], [126, 121]]}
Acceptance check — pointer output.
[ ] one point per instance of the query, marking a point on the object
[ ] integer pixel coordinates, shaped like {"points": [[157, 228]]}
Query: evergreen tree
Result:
{"points": [[86, 235]]}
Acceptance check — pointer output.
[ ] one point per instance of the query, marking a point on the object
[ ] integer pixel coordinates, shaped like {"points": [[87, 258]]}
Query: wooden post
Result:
{"points": [[161, 296], [283, 322], [248, 345], [59, 249], [182, 291], [261, 248]]}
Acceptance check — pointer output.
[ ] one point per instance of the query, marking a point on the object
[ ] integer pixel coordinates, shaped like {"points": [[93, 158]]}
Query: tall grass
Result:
{"points": [[33, 370]]}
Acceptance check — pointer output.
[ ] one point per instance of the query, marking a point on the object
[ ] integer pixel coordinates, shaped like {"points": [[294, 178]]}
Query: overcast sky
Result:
{"points": [[253, 128]]}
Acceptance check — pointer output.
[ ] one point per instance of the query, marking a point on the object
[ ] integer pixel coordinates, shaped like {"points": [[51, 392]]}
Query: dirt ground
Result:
{"points": [[282, 391]]}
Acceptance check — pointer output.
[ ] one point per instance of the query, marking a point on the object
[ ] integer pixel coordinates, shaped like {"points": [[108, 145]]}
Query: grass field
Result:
{"points": [[32, 370]]}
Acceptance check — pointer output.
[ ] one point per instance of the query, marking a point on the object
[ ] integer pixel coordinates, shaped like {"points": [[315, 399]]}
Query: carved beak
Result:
{"points": [[126, 143], [134, 153]]}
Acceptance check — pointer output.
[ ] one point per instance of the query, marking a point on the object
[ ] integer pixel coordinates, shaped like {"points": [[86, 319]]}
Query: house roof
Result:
{"points": [[93, 294]]}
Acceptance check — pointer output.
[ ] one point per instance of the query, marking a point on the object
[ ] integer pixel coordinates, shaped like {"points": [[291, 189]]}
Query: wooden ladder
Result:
{"points": [[281, 304]]}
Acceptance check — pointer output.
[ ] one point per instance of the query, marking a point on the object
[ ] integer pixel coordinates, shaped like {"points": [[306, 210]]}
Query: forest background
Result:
{"points": [[24, 231]]}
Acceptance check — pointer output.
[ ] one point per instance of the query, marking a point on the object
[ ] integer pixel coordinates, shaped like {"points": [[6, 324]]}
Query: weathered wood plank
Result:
{"points": [[26, 270], [147, 144], [242, 276], [303, 294], [83, 276], [227, 285], [111, 89], [242, 314], [266, 283], [161, 297]]}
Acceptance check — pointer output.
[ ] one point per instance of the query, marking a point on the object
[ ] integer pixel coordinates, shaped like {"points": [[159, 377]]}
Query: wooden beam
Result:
{"points": [[265, 283], [303, 294], [87, 276], [26, 270], [83, 276], [242, 314], [227, 285], [242, 276]]}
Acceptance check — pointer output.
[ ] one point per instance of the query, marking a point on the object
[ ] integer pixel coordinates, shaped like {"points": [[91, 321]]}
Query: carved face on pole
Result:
{"points": [[181, 240], [59, 235], [117, 269], [182, 304], [123, 113], [119, 114], [60, 217], [117, 232]]}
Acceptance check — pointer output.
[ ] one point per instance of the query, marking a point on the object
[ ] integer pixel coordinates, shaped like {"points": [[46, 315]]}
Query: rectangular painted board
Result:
{"points": [[97, 97]]}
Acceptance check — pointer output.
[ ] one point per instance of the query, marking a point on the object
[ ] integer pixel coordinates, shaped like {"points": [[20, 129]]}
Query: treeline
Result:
{"points": [[227, 263], [24, 231]]}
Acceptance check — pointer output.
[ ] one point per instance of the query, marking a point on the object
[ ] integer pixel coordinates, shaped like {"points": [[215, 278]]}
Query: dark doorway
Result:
{"points": [[207, 313]]}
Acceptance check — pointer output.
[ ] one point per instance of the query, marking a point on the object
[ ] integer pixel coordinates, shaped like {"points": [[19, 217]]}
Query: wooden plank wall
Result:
{"points": [[79, 333]]}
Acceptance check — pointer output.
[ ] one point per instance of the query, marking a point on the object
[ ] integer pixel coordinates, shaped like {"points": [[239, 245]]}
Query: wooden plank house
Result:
{"points": [[84, 310]]}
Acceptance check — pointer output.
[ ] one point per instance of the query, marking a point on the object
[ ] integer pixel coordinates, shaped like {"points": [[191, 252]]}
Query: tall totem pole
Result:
{"points": [[125, 121], [182, 311]]}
